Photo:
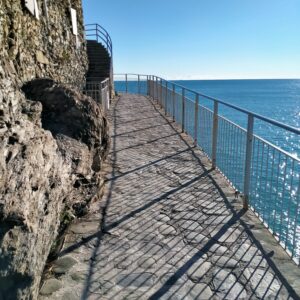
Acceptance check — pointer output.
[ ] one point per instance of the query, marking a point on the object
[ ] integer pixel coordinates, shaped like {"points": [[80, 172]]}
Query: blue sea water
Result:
{"points": [[278, 99], [275, 175]]}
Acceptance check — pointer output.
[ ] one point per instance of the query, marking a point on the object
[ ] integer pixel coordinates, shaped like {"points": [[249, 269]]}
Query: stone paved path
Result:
{"points": [[168, 227]]}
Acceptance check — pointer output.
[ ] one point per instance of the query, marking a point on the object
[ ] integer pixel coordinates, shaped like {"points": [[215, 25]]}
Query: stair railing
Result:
{"points": [[97, 33]]}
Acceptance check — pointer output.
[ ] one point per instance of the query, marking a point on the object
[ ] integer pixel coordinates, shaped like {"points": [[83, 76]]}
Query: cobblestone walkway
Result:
{"points": [[168, 227]]}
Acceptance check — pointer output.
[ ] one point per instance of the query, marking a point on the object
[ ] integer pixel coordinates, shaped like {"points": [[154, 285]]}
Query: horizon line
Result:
{"points": [[191, 79], [203, 78]]}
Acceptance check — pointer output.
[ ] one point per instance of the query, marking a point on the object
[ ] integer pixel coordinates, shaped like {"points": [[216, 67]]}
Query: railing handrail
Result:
{"points": [[97, 25], [240, 109], [243, 110], [100, 33], [101, 29], [104, 83]]}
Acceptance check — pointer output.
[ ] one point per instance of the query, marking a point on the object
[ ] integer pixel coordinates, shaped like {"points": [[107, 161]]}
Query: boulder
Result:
{"points": [[52, 145]]}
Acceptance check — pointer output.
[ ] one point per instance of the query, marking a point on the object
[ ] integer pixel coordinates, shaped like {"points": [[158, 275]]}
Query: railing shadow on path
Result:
{"points": [[224, 224], [235, 218]]}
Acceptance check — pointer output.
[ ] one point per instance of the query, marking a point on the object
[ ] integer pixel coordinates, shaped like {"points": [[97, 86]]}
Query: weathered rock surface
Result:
{"points": [[47, 176], [49, 173]]}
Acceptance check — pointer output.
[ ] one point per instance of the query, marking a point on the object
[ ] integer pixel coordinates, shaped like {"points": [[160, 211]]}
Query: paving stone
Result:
{"points": [[199, 291], [166, 230], [197, 216], [79, 276], [116, 244], [198, 270], [50, 286], [227, 285], [151, 248], [184, 208], [227, 235], [64, 264], [70, 295], [142, 235], [190, 225], [223, 261], [163, 218], [123, 262], [173, 242], [144, 279], [147, 262], [173, 294], [193, 237], [263, 283], [102, 260], [217, 249], [85, 227], [212, 205], [249, 254], [217, 220], [101, 287], [172, 279]]}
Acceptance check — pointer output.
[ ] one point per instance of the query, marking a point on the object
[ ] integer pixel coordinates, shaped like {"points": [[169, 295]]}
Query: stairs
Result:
{"points": [[99, 62]]}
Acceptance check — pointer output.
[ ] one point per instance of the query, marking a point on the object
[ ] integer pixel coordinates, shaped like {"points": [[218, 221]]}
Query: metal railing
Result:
{"points": [[267, 176], [99, 91], [97, 33], [131, 83]]}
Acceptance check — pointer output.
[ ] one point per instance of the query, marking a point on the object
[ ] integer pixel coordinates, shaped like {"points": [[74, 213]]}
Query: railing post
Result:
{"points": [[155, 90], [97, 32], [248, 160], [166, 98], [101, 96], [183, 109], [173, 101], [126, 83], [153, 87], [160, 93], [139, 90], [148, 86], [147, 80], [196, 120], [215, 135]]}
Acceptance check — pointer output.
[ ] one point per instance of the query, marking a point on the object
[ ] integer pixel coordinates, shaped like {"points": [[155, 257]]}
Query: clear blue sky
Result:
{"points": [[202, 39]]}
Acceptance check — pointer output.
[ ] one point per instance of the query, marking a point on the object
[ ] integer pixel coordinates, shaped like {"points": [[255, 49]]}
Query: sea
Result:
{"points": [[278, 99]]}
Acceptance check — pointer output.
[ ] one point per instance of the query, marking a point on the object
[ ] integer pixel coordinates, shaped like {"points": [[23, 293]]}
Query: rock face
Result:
{"points": [[53, 139], [46, 174]]}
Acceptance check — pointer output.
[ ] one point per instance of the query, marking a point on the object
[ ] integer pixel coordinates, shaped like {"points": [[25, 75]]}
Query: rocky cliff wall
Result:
{"points": [[53, 139]]}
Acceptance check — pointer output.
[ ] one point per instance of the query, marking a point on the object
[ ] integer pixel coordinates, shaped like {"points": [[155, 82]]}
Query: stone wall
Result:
{"points": [[48, 172], [31, 48]]}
